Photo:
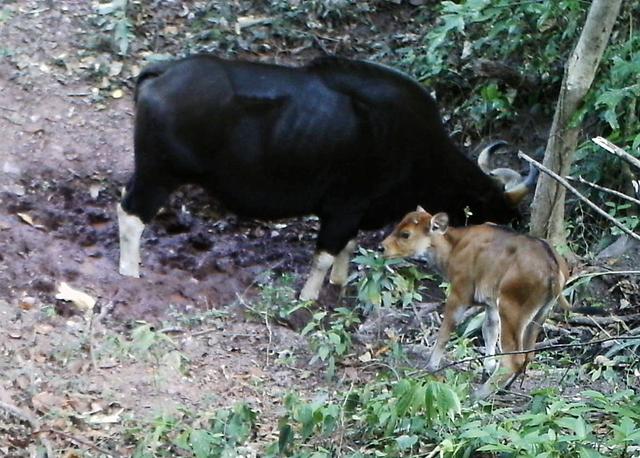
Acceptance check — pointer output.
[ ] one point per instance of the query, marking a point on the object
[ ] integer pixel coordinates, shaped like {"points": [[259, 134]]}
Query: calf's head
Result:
{"points": [[419, 235]]}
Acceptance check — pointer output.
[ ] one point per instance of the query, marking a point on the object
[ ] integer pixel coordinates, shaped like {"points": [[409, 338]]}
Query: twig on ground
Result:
{"points": [[33, 421], [511, 76], [566, 184], [544, 348], [80, 441], [614, 149], [171, 330], [604, 189], [268, 325], [381, 364], [423, 328], [12, 121], [203, 332], [603, 320], [92, 328]]}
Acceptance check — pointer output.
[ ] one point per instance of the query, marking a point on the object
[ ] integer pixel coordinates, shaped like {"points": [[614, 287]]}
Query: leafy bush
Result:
{"points": [[387, 282], [414, 416], [535, 38], [206, 435]]}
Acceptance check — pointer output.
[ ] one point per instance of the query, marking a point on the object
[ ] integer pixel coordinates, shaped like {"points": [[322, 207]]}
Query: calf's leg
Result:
{"points": [[513, 322], [453, 310], [490, 333]]}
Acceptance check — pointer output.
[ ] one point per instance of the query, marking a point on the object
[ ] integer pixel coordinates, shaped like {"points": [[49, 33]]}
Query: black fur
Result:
{"points": [[355, 143]]}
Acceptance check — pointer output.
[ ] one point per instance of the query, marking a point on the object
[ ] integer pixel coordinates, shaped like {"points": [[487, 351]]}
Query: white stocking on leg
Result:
{"points": [[321, 263], [130, 227], [340, 269]]}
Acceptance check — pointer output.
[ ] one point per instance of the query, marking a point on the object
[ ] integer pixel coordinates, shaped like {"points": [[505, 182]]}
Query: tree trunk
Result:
{"points": [[547, 217]]}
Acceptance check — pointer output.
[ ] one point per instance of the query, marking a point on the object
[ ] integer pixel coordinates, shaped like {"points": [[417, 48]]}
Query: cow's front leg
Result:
{"points": [[130, 228], [340, 268], [322, 261]]}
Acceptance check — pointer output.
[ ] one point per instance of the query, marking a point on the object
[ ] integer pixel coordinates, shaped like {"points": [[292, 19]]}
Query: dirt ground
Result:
{"points": [[66, 152], [65, 155]]}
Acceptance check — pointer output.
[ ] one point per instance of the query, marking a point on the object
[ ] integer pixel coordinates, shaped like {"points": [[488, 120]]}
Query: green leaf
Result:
{"points": [[404, 442], [285, 437], [200, 443]]}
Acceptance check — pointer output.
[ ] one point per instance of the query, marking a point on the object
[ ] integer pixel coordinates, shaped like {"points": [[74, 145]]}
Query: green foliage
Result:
{"points": [[333, 343], [114, 19], [277, 298], [208, 435], [535, 39], [412, 416], [387, 282], [382, 418]]}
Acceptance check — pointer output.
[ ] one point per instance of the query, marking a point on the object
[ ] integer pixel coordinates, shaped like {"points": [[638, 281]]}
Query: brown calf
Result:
{"points": [[516, 277]]}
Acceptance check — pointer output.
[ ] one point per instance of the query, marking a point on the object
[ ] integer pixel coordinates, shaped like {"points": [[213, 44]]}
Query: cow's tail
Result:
{"points": [[150, 72]]}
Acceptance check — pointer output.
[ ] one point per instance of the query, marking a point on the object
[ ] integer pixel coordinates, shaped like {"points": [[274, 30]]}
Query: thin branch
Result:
{"points": [[564, 183], [80, 441], [602, 188], [600, 274], [95, 320], [603, 320], [616, 150], [33, 421], [544, 348]]}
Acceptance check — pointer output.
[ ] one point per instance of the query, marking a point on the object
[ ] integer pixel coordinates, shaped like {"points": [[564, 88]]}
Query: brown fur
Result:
{"points": [[516, 276]]}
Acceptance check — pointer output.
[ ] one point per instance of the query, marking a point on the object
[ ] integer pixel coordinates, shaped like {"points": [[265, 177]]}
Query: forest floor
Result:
{"points": [[182, 335]]}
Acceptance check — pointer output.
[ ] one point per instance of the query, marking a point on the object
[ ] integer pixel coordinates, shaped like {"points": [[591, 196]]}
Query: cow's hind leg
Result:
{"points": [[340, 268], [333, 246], [130, 228], [322, 261], [141, 201]]}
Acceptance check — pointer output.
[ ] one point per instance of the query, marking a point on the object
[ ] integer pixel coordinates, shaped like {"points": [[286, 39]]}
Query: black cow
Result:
{"points": [[355, 143]]}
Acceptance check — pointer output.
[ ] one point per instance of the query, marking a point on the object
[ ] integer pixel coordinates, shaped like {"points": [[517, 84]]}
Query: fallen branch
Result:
{"points": [[564, 183], [543, 348], [509, 75], [33, 422], [80, 441], [603, 320], [604, 189], [616, 150]]}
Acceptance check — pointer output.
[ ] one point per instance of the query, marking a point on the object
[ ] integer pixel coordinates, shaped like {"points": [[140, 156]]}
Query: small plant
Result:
{"points": [[332, 344], [117, 22], [277, 299], [207, 435], [387, 282]]}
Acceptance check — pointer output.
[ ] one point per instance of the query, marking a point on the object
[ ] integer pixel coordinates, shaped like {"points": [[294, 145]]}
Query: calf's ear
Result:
{"points": [[440, 223], [420, 209]]}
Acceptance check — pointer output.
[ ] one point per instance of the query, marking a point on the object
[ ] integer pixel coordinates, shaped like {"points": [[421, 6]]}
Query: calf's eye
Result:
{"points": [[405, 235]]}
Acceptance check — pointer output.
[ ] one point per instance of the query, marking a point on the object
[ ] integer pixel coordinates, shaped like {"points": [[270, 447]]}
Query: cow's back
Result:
{"points": [[273, 141]]}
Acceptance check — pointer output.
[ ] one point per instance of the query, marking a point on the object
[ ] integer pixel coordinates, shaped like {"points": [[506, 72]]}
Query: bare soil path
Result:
{"points": [[65, 153]]}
